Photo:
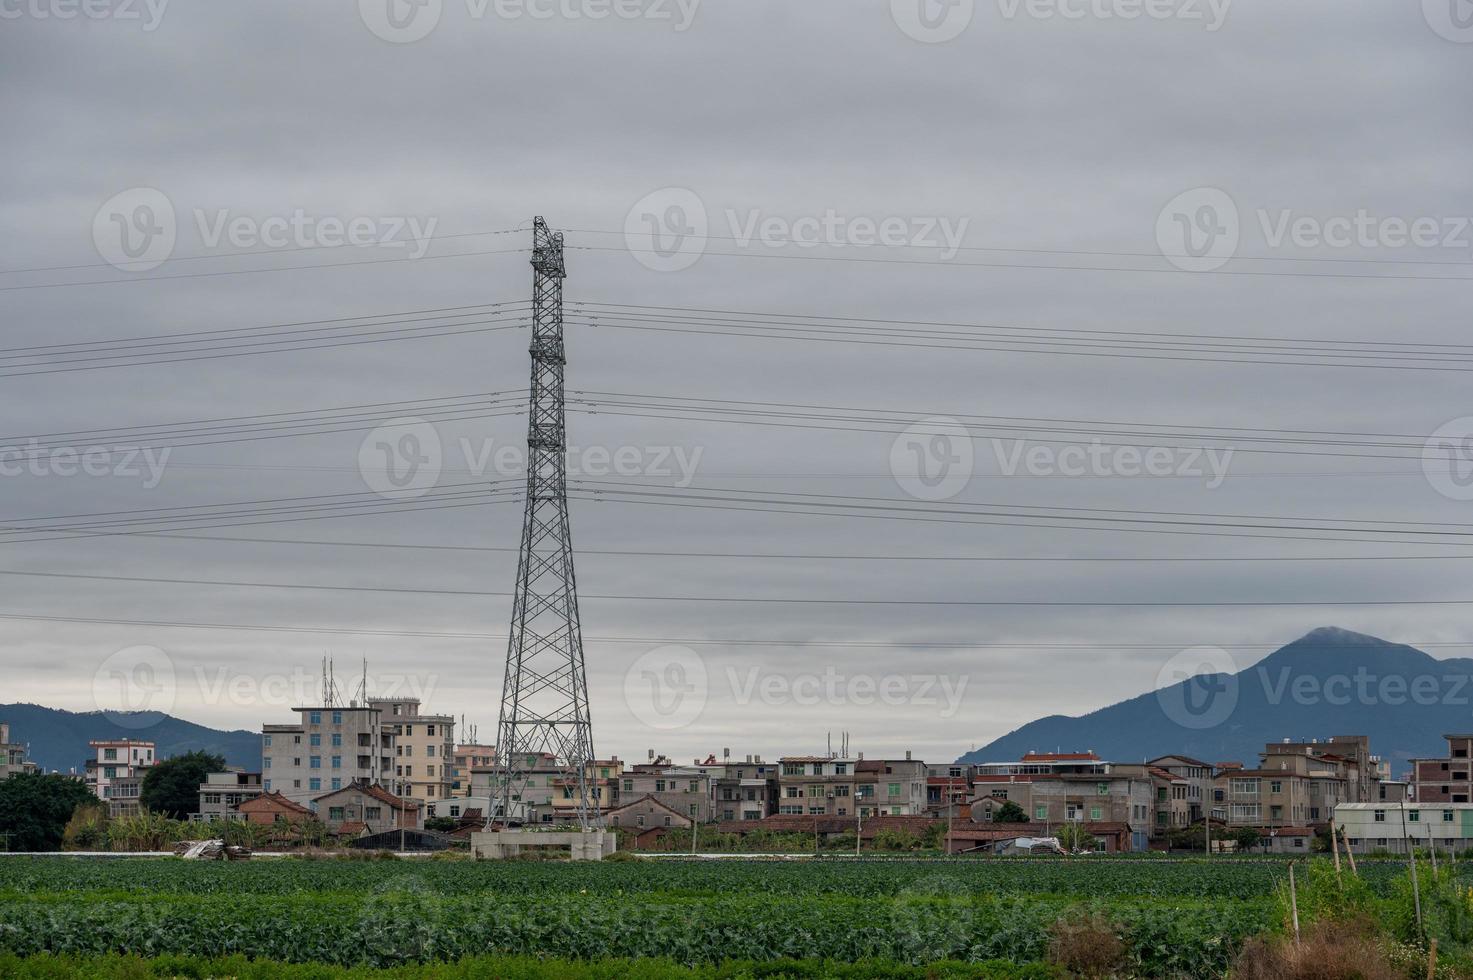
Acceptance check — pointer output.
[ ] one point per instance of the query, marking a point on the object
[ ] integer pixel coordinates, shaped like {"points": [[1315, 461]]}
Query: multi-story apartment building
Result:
{"points": [[744, 790], [1297, 784], [1444, 780], [424, 748], [463, 760], [948, 790], [222, 792], [115, 759], [684, 789], [603, 776], [13, 755], [832, 786], [532, 803], [1183, 792], [328, 748], [123, 795]]}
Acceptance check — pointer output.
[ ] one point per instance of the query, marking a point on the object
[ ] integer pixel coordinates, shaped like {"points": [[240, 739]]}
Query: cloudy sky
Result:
{"points": [[1204, 220]]}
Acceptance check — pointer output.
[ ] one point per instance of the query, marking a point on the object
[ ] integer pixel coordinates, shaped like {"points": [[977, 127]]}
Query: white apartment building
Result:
{"points": [[114, 759], [328, 749], [1378, 826]]}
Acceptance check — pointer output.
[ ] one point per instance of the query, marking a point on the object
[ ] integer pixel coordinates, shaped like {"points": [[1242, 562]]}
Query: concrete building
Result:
{"points": [[424, 748], [827, 785], [533, 801], [270, 808], [328, 748], [1389, 827], [603, 777], [364, 808], [13, 755], [113, 759], [1297, 784], [223, 792], [463, 760], [684, 789], [645, 813], [123, 794], [457, 807], [745, 790], [1444, 780], [1183, 794]]}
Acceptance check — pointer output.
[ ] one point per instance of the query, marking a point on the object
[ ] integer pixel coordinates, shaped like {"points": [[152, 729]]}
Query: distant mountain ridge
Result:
{"points": [[1330, 681], [58, 739]]}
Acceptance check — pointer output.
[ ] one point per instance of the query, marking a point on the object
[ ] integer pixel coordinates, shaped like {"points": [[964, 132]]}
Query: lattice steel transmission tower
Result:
{"points": [[544, 702]]}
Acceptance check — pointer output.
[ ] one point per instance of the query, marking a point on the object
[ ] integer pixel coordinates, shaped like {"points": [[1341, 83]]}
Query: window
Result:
{"points": [[894, 789], [1414, 816], [1379, 816], [1094, 813], [315, 717], [1040, 812], [1447, 816], [267, 785], [1276, 787], [429, 729], [315, 762], [1102, 789], [267, 740], [695, 786], [337, 783], [337, 762], [629, 786], [639, 821], [659, 786], [373, 812], [841, 768], [337, 740], [335, 813], [266, 762], [430, 749], [337, 717], [314, 784]]}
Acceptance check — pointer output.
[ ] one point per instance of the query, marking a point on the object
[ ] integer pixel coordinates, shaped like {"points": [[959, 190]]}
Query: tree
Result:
{"points": [[172, 787], [1075, 839], [1246, 838], [35, 808], [442, 824], [1009, 812], [87, 829]]}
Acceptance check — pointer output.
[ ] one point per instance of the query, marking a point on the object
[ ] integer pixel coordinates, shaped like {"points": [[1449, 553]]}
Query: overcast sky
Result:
{"points": [[1060, 148]]}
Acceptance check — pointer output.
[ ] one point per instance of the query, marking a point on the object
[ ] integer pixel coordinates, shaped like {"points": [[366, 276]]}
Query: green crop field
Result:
{"points": [[1175, 918]]}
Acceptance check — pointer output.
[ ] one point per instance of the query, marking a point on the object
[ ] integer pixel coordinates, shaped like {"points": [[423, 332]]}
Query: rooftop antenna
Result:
{"points": [[362, 696], [329, 685]]}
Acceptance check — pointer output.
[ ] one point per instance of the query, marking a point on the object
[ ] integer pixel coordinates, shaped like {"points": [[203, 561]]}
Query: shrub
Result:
{"points": [[1087, 946]]}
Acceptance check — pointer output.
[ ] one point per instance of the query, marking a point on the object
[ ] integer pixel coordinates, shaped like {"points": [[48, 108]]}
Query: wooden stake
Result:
{"points": [[1294, 902], [1335, 846], [1432, 960], [1350, 854]]}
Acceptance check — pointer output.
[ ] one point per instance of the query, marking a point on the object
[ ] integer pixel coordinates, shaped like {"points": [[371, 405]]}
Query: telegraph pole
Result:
{"points": [[544, 700]]}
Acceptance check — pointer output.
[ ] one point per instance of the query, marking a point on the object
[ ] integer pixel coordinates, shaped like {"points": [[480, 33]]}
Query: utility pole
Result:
{"points": [[544, 700]]}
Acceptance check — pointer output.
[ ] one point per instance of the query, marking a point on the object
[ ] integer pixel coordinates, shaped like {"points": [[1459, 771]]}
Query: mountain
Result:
{"points": [[58, 739], [1329, 682]]}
